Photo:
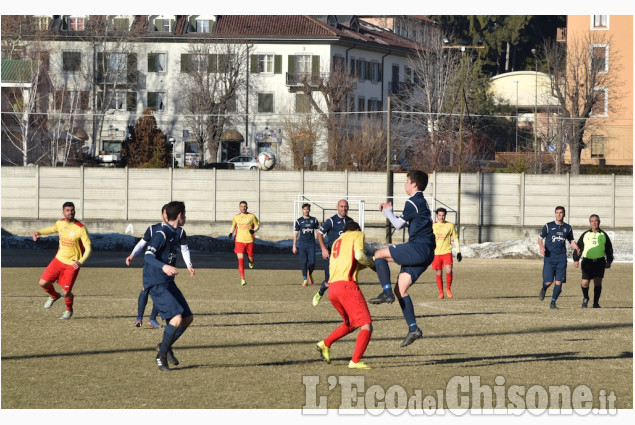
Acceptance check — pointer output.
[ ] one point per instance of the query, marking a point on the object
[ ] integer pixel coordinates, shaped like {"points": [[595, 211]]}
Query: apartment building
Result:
{"points": [[142, 61], [609, 139]]}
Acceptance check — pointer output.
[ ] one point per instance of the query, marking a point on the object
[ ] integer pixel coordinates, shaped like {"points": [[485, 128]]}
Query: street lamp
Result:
{"points": [[516, 81], [533, 52]]}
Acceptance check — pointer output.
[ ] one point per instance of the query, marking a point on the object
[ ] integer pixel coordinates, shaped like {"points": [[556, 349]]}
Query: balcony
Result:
{"points": [[300, 78]]}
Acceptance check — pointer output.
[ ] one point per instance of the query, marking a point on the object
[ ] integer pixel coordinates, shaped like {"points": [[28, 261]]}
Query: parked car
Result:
{"points": [[244, 163]]}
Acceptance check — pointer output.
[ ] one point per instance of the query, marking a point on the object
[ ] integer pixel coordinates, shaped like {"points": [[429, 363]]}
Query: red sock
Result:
{"points": [[50, 290], [241, 267], [338, 333], [69, 303], [360, 346], [448, 278], [440, 283]]}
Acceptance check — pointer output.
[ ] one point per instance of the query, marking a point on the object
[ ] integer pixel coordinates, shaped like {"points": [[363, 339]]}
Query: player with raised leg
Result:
{"points": [[414, 256]]}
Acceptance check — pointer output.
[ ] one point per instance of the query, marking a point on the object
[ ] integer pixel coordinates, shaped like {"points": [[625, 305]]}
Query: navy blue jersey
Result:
{"points": [[555, 236], [151, 230], [306, 229], [332, 228], [162, 249], [416, 214]]}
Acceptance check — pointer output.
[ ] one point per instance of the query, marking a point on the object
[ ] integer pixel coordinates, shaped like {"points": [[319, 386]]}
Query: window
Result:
{"points": [[117, 63], [76, 24], [361, 106], [70, 101], [597, 146], [361, 69], [303, 63], [118, 101], [265, 102], [302, 103], [600, 22], [375, 72], [194, 62], [71, 61], [157, 101], [338, 63], [265, 64], [162, 25], [599, 58], [41, 23], [202, 25], [600, 102], [157, 62]]}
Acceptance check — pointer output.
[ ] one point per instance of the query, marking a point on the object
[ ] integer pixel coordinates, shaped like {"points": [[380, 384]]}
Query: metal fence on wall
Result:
{"points": [[122, 194]]}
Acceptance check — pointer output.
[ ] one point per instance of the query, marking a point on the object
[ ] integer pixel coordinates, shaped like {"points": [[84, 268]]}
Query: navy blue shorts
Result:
{"points": [[169, 300], [554, 269], [414, 259]]}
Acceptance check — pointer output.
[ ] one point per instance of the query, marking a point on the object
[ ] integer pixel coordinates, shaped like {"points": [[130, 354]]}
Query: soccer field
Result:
{"points": [[254, 346]]}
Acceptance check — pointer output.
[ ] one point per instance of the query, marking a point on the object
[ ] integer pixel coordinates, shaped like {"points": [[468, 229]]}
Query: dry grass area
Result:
{"points": [[251, 347]]}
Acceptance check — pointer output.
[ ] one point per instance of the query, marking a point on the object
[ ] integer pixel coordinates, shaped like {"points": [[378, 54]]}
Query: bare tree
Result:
{"points": [[24, 127], [303, 132], [212, 76], [334, 87], [581, 82], [364, 149]]}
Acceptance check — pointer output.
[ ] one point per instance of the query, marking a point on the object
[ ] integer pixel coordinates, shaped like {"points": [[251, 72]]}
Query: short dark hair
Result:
{"points": [[243, 202], [352, 226], [68, 204], [306, 204], [174, 208], [441, 210], [560, 207], [596, 216], [163, 208], [420, 178]]}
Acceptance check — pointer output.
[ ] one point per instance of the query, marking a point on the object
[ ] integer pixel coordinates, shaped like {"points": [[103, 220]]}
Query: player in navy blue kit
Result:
{"points": [[555, 235], [414, 256], [142, 301], [158, 278], [304, 243], [332, 228]]}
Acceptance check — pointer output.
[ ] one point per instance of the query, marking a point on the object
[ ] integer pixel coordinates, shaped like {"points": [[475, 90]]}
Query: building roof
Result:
{"points": [[18, 71]]}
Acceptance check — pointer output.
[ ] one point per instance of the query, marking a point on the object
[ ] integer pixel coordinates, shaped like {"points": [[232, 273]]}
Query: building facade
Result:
{"points": [[106, 70]]}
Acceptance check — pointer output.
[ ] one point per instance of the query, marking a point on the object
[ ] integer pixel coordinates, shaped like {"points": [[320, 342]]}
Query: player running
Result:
{"points": [[444, 232], [244, 224], [347, 258]]}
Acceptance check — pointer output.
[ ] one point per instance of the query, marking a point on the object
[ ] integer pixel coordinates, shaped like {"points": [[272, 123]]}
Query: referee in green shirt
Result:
{"points": [[597, 254]]}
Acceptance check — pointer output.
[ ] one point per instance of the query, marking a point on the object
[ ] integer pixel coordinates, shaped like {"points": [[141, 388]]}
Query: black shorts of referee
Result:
{"points": [[593, 268]]}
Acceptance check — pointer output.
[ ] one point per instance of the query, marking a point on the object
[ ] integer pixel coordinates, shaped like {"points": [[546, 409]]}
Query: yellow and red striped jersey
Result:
{"points": [[74, 241]]}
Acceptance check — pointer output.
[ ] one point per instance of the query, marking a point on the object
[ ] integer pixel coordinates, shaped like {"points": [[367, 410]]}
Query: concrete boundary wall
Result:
{"points": [[488, 201]]}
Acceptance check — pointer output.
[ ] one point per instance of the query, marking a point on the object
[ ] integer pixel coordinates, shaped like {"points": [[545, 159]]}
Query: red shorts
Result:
{"points": [[441, 260], [350, 302], [241, 247], [63, 273]]}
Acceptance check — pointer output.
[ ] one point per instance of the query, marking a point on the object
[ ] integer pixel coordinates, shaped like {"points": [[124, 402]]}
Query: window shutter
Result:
{"points": [[212, 61], [132, 68], [172, 24], [152, 62], [100, 100], [185, 59], [277, 64], [152, 100], [131, 101], [254, 64], [100, 66], [223, 62], [291, 64], [84, 96], [158, 24], [379, 77], [315, 65], [368, 71]]}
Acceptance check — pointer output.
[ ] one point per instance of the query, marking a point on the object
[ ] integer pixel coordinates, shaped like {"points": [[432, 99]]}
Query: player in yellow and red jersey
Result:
{"points": [[347, 258], [244, 225], [74, 249], [444, 233]]}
